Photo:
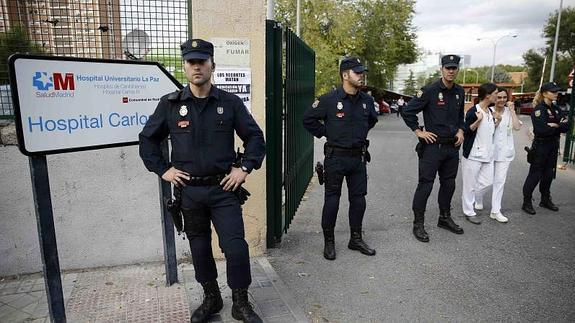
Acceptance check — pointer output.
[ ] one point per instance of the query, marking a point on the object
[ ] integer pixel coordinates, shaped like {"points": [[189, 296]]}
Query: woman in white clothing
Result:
{"points": [[503, 153], [477, 163]]}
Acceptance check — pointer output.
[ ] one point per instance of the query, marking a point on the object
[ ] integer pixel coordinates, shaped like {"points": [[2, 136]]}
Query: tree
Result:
{"points": [[378, 31], [533, 59], [14, 41], [410, 86]]}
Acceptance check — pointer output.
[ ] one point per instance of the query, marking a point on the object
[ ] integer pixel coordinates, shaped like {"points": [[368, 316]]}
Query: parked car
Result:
{"points": [[383, 107]]}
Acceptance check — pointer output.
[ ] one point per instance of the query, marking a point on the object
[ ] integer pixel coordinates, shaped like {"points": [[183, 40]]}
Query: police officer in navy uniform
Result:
{"points": [[200, 120], [344, 116], [442, 104], [548, 124]]}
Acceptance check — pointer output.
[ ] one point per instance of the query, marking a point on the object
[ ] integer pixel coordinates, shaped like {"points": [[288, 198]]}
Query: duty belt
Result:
{"points": [[441, 141], [205, 180], [330, 150], [547, 139]]}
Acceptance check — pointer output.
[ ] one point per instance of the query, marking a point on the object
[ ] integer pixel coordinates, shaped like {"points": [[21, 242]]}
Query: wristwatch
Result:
{"points": [[245, 169]]}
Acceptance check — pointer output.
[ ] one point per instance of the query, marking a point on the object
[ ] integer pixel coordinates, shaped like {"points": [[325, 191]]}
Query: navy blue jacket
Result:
{"points": [[543, 114], [202, 138], [343, 119], [442, 109]]}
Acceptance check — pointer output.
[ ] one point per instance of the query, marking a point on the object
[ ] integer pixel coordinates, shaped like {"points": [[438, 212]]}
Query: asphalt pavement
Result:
{"points": [[523, 270]]}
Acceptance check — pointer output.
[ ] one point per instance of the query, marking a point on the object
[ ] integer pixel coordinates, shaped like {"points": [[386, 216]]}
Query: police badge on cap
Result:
{"points": [[450, 61]]}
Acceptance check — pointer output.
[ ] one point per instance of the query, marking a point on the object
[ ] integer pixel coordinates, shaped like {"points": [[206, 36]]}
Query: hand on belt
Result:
{"points": [[205, 180]]}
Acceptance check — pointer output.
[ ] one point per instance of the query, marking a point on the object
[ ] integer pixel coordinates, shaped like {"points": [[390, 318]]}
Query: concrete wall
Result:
{"points": [[242, 19], [106, 211], [106, 205]]}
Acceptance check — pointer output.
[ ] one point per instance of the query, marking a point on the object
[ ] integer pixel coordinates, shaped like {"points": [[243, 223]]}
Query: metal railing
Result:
{"points": [[113, 29]]}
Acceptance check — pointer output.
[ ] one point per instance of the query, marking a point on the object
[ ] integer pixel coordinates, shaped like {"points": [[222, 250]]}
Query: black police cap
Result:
{"points": [[550, 87], [450, 61], [352, 63], [196, 49]]}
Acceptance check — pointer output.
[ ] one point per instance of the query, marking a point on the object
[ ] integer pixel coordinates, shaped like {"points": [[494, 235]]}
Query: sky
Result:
{"points": [[451, 26]]}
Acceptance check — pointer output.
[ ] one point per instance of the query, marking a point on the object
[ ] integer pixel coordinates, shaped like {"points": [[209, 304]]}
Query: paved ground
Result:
{"points": [[520, 271], [138, 294]]}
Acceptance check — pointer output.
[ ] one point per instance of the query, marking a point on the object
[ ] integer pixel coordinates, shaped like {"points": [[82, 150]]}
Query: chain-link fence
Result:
{"points": [[113, 29]]}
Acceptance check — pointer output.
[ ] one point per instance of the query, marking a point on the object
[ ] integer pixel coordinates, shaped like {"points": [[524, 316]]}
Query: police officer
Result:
{"points": [[200, 120], [548, 124], [438, 148], [344, 116]]}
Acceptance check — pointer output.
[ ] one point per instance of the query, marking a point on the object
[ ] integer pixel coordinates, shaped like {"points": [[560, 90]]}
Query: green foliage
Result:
{"points": [[410, 87], [378, 31], [565, 52], [14, 41], [172, 63]]}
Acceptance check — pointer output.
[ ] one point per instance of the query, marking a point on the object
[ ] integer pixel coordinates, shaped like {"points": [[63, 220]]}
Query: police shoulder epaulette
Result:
{"points": [[174, 96]]}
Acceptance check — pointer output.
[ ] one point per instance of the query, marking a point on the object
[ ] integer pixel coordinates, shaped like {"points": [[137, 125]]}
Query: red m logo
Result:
{"points": [[63, 83]]}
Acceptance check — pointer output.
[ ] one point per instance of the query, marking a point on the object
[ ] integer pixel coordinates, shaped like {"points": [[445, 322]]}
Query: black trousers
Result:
{"points": [[442, 159], [542, 169], [353, 169], [203, 205]]}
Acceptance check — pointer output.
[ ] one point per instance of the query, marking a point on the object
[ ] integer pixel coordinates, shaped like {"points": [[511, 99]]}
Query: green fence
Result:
{"points": [[569, 151], [287, 140]]}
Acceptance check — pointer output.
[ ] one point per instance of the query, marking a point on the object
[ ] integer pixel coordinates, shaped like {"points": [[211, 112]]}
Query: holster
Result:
{"points": [[419, 149], [366, 154], [319, 171], [174, 207], [242, 194], [530, 153], [197, 222]]}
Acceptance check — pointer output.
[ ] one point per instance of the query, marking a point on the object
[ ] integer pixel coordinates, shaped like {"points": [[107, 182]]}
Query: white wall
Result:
{"points": [[106, 211]]}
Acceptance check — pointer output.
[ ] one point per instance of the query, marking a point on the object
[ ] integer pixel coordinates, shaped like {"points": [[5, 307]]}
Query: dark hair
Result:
{"points": [[502, 89], [485, 89]]}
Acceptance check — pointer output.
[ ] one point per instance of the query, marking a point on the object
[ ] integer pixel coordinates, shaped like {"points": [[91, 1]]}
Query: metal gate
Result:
{"points": [[290, 85], [569, 151]]}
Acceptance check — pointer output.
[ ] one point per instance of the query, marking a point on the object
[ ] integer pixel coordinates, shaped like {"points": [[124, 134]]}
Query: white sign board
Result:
{"points": [[68, 104], [231, 52], [237, 81]]}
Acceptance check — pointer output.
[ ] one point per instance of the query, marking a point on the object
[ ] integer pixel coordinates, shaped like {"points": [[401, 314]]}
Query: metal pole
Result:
{"points": [[543, 71], [271, 5], [47, 237], [552, 72], [493, 64], [297, 19], [170, 258], [464, 69], [190, 14]]}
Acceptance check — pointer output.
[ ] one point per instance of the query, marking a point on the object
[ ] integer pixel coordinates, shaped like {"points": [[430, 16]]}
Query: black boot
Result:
{"points": [[418, 227], [241, 308], [548, 204], [211, 305], [527, 206], [357, 243], [446, 222], [329, 244]]}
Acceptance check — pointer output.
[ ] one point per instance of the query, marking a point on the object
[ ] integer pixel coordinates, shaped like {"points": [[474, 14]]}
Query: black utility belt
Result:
{"points": [[205, 180], [442, 141], [343, 152], [546, 139]]}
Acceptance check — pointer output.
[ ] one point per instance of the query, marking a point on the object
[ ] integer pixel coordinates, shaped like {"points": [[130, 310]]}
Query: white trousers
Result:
{"points": [[477, 177], [499, 176]]}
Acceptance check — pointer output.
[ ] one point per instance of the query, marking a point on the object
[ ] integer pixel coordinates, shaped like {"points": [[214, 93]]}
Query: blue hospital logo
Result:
{"points": [[42, 81]]}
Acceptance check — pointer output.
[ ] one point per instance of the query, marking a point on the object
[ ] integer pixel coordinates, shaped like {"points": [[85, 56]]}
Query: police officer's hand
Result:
{"points": [[175, 176], [458, 138], [429, 137], [234, 179], [553, 125]]}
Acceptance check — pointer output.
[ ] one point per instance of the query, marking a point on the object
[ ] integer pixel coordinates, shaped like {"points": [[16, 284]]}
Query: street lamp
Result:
{"points": [[495, 50], [476, 75]]}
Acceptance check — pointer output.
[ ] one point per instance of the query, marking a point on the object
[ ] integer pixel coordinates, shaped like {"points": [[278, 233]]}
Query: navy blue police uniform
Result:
{"points": [[545, 148], [443, 115], [344, 120], [201, 131]]}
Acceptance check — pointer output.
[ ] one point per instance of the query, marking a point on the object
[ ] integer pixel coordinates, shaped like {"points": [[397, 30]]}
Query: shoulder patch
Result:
{"points": [[537, 113], [419, 93], [315, 104]]}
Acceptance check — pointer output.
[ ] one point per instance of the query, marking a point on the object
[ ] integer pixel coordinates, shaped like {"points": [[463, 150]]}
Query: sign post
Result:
{"points": [[66, 104]]}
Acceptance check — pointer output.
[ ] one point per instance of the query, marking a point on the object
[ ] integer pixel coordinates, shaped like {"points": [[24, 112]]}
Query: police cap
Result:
{"points": [[450, 61], [550, 87], [352, 63], [196, 49]]}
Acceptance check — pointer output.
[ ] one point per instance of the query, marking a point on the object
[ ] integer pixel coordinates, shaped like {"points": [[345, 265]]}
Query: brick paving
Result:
{"points": [[138, 293]]}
